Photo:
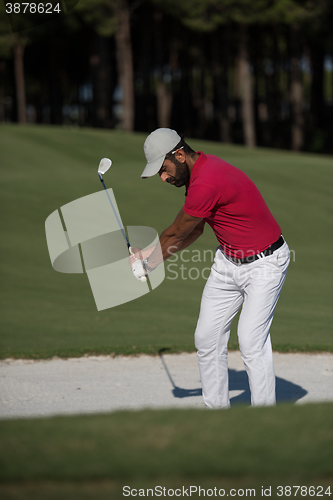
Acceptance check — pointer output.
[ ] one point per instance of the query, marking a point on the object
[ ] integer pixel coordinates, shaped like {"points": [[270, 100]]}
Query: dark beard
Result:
{"points": [[182, 175]]}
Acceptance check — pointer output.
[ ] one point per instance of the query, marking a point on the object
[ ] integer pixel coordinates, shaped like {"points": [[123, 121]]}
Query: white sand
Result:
{"points": [[104, 383]]}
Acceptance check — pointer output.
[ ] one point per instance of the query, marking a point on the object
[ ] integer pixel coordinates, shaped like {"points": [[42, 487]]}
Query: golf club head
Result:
{"points": [[104, 165]]}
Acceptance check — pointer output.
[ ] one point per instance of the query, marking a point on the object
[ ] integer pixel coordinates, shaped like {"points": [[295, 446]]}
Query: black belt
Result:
{"points": [[265, 253]]}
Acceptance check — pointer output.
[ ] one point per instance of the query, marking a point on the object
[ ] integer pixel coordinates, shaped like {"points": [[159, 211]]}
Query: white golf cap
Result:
{"points": [[156, 146]]}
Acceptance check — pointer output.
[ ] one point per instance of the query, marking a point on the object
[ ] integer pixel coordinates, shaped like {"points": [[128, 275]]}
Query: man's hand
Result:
{"points": [[136, 263], [139, 271]]}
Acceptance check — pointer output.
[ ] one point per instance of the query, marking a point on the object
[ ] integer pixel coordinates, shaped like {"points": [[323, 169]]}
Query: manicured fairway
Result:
{"points": [[45, 313], [95, 456]]}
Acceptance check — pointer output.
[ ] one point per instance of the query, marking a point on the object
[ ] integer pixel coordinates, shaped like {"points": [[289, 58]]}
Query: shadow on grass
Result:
{"points": [[238, 381]]}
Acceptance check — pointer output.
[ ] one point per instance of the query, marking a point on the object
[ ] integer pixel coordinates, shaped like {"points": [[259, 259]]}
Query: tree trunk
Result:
{"points": [[185, 113], [220, 76], [296, 92], [19, 80], [145, 108], [274, 113], [2, 91], [246, 88], [164, 104], [163, 92], [103, 90], [198, 98], [125, 63], [317, 85], [55, 82]]}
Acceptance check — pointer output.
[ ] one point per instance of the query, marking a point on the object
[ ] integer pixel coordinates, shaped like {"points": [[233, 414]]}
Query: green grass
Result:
{"points": [[237, 448], [45, 313]]}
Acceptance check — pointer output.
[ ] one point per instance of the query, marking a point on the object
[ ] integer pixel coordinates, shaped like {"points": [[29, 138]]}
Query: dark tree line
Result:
{"points": [[238, 71]]}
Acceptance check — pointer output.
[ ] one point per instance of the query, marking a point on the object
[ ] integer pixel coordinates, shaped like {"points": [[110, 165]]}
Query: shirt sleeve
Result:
{"points": [[201, 200]]}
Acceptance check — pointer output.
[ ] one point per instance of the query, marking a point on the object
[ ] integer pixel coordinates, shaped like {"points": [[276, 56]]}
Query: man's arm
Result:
{"points": [[183, 232]]}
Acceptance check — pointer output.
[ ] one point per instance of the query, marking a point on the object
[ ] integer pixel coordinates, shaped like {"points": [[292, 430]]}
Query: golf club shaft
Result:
{"points": [[115, 213]]}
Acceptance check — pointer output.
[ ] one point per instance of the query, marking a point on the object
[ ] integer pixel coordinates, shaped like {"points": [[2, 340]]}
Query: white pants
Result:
{"points": [[257, 287]]}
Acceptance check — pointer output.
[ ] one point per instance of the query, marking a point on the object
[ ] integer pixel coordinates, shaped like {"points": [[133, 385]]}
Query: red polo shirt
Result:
{"points": [[232, 205]]}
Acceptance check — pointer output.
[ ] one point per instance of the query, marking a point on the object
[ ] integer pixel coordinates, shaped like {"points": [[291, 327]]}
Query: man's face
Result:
{"points": [[175, 172]]}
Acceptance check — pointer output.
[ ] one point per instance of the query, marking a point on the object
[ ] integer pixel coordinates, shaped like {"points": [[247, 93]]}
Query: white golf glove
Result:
{"points": [[139, 271]]}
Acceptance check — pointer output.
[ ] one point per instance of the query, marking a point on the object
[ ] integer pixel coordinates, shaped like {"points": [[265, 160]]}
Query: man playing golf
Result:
{"points": [[249, 268]]}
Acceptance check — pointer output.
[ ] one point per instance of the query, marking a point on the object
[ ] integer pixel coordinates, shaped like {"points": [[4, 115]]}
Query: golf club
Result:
{"points": [[103, 167]]}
